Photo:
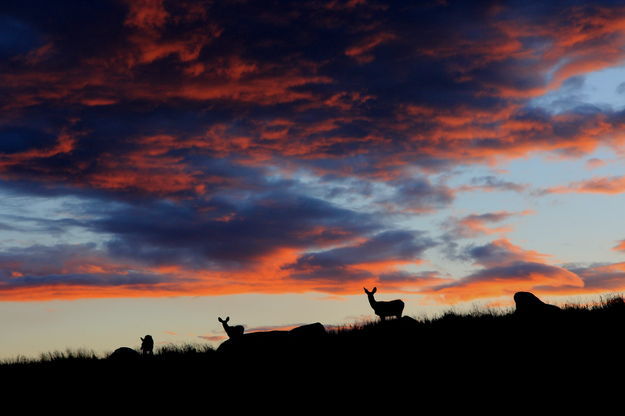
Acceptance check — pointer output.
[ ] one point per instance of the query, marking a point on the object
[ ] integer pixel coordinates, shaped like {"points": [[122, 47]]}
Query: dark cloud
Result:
{"points": [[16, 139], [382, 80], [92, 280], [500, 252], [505, 269], [386, 247], [418, 195], [600, 278], [492, 183], [39, 225], [69, 265], [227, 235], [16, 37], [506, 280], [45, 259]]}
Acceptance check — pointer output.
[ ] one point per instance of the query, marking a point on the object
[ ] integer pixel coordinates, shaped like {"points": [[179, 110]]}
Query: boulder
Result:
{"points": [[274, 342], [255, 342], [310, 330], [528, 304], [124, 354]]}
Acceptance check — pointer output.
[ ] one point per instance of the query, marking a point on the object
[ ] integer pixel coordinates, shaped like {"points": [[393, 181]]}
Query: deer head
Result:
{"points": [[375, 289]]}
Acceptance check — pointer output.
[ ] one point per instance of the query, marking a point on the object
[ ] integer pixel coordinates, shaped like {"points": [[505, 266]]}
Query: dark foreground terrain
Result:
{"points": [[485, 353]]}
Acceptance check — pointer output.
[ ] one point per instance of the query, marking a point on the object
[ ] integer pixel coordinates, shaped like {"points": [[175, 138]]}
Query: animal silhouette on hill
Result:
{"points": [[147, 345], [528, 304], [385, 309], [232, 331]]}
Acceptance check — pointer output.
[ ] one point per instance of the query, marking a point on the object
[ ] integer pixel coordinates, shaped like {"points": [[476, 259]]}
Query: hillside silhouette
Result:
{"points": [[483, 355]]}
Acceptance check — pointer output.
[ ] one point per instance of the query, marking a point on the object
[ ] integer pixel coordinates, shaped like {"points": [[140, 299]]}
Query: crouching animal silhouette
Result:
{"points": [[232, 331], [385, 309], [147, 345]]}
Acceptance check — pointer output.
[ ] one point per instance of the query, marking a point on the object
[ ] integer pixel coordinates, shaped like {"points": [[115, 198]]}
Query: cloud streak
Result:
{"points": [[597, 185], [475, 225]]}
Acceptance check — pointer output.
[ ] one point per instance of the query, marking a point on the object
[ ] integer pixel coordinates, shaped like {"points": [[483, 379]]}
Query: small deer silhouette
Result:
{"points": [[147, 345], [232, 331], [384, 309]]}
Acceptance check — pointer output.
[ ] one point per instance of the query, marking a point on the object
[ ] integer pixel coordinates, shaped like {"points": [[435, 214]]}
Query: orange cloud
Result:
{"points": [[595, 163], [503, 252], [65, 144], [477, 224], [213, 338], [98, 277], [598, 185], [362, 50], [620, 246], [87, 274], [146, 14], [149, 172]]}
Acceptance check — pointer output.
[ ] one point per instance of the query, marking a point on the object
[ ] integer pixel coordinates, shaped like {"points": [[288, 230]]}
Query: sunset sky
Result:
{"points": [[163, 163]]}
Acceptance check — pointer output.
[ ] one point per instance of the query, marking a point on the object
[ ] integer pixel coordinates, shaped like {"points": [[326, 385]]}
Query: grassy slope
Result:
{"points": [[479, 350], [451, 334]]}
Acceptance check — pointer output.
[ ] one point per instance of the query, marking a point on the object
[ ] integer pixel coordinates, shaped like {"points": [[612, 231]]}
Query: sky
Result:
{"points": [[164, 163]]}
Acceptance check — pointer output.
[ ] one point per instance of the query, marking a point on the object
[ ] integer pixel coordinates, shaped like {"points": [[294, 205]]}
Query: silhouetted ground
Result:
{"points": [[482, 352]]}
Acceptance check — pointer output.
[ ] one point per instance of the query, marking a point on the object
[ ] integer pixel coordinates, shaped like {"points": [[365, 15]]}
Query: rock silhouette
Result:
{"points": [[147, 345], [274, 341], [310, 330], [528, 304], [387, 308], [124, 354]]}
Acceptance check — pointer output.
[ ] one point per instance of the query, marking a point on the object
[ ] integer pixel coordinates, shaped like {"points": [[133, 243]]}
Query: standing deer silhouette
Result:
{"points": [[232, 331], [385, 309]]}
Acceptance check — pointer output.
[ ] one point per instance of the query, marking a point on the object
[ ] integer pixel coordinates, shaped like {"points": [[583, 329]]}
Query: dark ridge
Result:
{"points": [[479, 348]]}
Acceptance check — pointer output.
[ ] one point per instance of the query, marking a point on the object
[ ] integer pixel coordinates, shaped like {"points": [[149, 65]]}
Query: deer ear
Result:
{"points": [[375, 289], [366, 291], [220, 320], [227, 318]]}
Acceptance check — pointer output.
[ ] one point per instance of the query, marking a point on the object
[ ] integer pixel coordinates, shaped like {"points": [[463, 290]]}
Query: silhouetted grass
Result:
{"points": [[169, 352], [483, 344]]}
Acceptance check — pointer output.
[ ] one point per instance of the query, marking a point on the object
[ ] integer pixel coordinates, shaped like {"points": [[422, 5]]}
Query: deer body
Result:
{"points": [[232, 331], [385, 309]]}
